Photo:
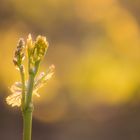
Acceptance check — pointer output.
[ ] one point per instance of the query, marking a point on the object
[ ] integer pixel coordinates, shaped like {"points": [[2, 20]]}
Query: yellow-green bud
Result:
{"points": [[40, 48], [36, 50]]}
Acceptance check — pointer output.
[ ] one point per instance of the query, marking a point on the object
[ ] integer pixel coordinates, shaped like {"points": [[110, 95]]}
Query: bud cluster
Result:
{"points": [[40, 48], [36, 49], [21, 92]]}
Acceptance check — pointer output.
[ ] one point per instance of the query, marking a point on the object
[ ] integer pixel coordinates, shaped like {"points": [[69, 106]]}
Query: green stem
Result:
{"points": [[29, 91], [27, 124], [22, 73], [28, 109]]}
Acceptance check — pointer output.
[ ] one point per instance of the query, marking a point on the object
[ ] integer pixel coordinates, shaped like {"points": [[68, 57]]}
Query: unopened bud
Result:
{"points": [[19, 53], [40, 48], [29, 44]]}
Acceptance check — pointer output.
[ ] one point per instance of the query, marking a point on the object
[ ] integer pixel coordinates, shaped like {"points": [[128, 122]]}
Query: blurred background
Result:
{"points": [[95, 46]]}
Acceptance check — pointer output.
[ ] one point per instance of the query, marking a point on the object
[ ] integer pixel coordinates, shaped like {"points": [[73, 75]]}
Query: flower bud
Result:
{"points": [[29, 44], [19, 53], [40, 48], [36, 49]]}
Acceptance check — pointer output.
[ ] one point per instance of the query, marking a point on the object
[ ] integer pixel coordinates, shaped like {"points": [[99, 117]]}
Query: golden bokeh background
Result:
{"points": [[95, 46]]}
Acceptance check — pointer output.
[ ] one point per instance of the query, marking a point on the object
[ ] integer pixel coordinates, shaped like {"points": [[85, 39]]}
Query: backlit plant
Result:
{"points": [[22, 91]]}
